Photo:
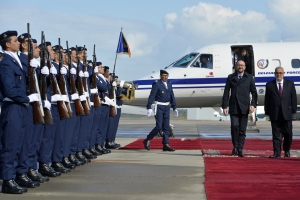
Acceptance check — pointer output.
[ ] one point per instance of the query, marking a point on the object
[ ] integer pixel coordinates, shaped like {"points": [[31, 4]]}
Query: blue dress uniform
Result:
{"points": [[114, 122], [104, 117], [163, 96], [14, 114]]}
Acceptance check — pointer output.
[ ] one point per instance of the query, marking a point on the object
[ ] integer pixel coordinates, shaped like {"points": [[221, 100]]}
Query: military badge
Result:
{"points": [[163, 92], [20, 78]]}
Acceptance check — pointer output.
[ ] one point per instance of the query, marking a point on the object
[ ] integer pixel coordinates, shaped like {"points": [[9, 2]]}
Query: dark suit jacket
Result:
{"points": [[273, 102], [240, 93]]}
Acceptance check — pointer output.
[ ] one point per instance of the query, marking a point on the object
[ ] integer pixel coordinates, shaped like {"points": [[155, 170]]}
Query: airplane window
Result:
{"points": [[184, 62], [295, 63], [204, 61]]}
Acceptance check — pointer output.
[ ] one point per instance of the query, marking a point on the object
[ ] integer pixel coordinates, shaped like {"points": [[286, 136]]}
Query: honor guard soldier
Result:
{"points": [[163, 95], [14, 113]]}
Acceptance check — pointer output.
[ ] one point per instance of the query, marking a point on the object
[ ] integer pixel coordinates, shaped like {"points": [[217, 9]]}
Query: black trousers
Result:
{"points": [[238, 130], [281, 128]]}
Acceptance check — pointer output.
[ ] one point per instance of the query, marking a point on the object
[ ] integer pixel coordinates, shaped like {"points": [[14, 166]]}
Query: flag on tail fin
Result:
{"points": [[123, 46]]}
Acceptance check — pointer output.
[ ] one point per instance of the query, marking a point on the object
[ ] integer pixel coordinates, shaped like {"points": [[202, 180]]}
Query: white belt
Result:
{"points": [[119, 106], [154, 106], [92, 103], [8, 99]]}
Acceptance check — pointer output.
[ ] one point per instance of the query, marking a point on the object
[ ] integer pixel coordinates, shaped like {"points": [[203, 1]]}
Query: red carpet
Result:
{"points": [[228, 178], [176, 143]]}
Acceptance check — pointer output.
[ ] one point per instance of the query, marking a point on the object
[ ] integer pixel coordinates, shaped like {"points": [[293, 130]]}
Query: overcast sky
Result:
{"points": [[158, 31]]}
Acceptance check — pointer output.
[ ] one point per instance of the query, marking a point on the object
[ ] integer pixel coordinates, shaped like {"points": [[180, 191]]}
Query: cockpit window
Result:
{"points": [[204, 61], [184, 62]]}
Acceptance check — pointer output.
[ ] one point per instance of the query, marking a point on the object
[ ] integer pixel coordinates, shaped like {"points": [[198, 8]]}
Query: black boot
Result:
{"points": [[35, 176], [66, 163], [109, 145], [74, 160], [99, 149], [82, 158], [86, 153], [146, 144], [94, 152], [46, 170], [23, 180], [166, 147], [58, 167], [11, 187]]}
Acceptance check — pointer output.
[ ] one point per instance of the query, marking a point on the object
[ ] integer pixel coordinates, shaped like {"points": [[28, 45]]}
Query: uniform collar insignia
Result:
{"points": [[4, 36]]}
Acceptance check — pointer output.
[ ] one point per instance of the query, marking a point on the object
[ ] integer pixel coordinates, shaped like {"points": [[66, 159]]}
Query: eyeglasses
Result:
{"points": [[279, 73]]}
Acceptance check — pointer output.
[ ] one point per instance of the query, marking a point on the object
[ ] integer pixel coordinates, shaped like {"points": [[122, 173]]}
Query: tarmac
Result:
{"points": [[142, 174]]}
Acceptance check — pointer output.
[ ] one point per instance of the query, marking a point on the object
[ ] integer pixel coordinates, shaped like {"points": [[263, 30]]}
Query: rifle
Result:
{"points": [[97, 102], [112, 111], [78, 106], [38, 114], [62, 81], [84, 79], [43, 85], [86, 108], [62, 110]]}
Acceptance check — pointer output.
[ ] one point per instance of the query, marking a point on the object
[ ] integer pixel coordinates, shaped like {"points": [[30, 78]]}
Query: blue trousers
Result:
{"points": [[117, 120], [23, 161], [69, 131], [38, 131], [84, 129], [86, 143], [74, 143], [46, 149], [13, 124], [94, 131], [162, 118], [102, 128], [59, 141]]}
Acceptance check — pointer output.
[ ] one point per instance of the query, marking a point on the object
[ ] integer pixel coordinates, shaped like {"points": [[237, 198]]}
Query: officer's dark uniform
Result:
{"points": [[161, 95]]}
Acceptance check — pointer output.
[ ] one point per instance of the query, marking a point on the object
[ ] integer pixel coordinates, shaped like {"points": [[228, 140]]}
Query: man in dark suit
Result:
{"points": [[280, 106], [163, 95], [241, 85]]}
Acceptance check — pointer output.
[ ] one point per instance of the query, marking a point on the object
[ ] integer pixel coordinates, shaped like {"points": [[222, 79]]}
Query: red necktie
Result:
{"points": [[280, 90]]}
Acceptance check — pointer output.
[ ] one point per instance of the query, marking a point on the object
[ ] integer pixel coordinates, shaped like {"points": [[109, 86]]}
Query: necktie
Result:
{"points": [[280, 90], [240, 77]]}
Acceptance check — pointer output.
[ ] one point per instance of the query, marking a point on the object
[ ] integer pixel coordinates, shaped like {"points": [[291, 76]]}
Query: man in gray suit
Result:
{"points": [[241, 85], [281, 105]]}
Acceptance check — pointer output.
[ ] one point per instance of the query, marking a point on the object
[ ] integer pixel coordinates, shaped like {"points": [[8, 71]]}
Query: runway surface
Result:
{"points": [[141, 174]]}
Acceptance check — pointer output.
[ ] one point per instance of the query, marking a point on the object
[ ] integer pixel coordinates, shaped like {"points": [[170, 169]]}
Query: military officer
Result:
{"points": [[163, 95]]}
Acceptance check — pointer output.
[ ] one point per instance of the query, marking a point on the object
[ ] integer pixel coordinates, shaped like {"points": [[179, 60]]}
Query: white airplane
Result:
{"points": [[198, 85]]}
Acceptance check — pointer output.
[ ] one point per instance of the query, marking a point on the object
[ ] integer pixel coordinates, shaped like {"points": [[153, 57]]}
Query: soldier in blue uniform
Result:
{"points": [[14, 112], [114, 121], [163, 95]]}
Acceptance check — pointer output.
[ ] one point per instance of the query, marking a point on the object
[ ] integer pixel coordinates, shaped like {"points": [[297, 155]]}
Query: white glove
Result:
{"points": [[122, 83], [53, 70], [86, 94], [114, 84], [81, 74], [175, 113], [47, 104], [45, 70], [112, 102], [149, 111], [96, 69], [34, 63], [107, 100], [63, 71], [74, 96], [73, 71], [65, 98], [82, 98], [56, 97], [93, 91], [86, 74], [34, 97]]}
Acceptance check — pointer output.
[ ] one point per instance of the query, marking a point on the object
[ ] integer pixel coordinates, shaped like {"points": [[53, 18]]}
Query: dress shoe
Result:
{"points": [[240, 154], [234, 152], [116, 144], [166, 147], [35, 176], [94, 152], [274, 156], [23, 180], [146, 144], [11, 187], [287, 154], [81, 157], [46, 170], [110, 145], [58, 167], [100, 149], [46, 178], [106, 150], [88, 154], [74, 160], [67, 164]]}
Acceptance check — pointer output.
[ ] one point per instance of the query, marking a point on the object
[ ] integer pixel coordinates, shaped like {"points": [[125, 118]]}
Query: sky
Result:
{"points": [[158, 31]]}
